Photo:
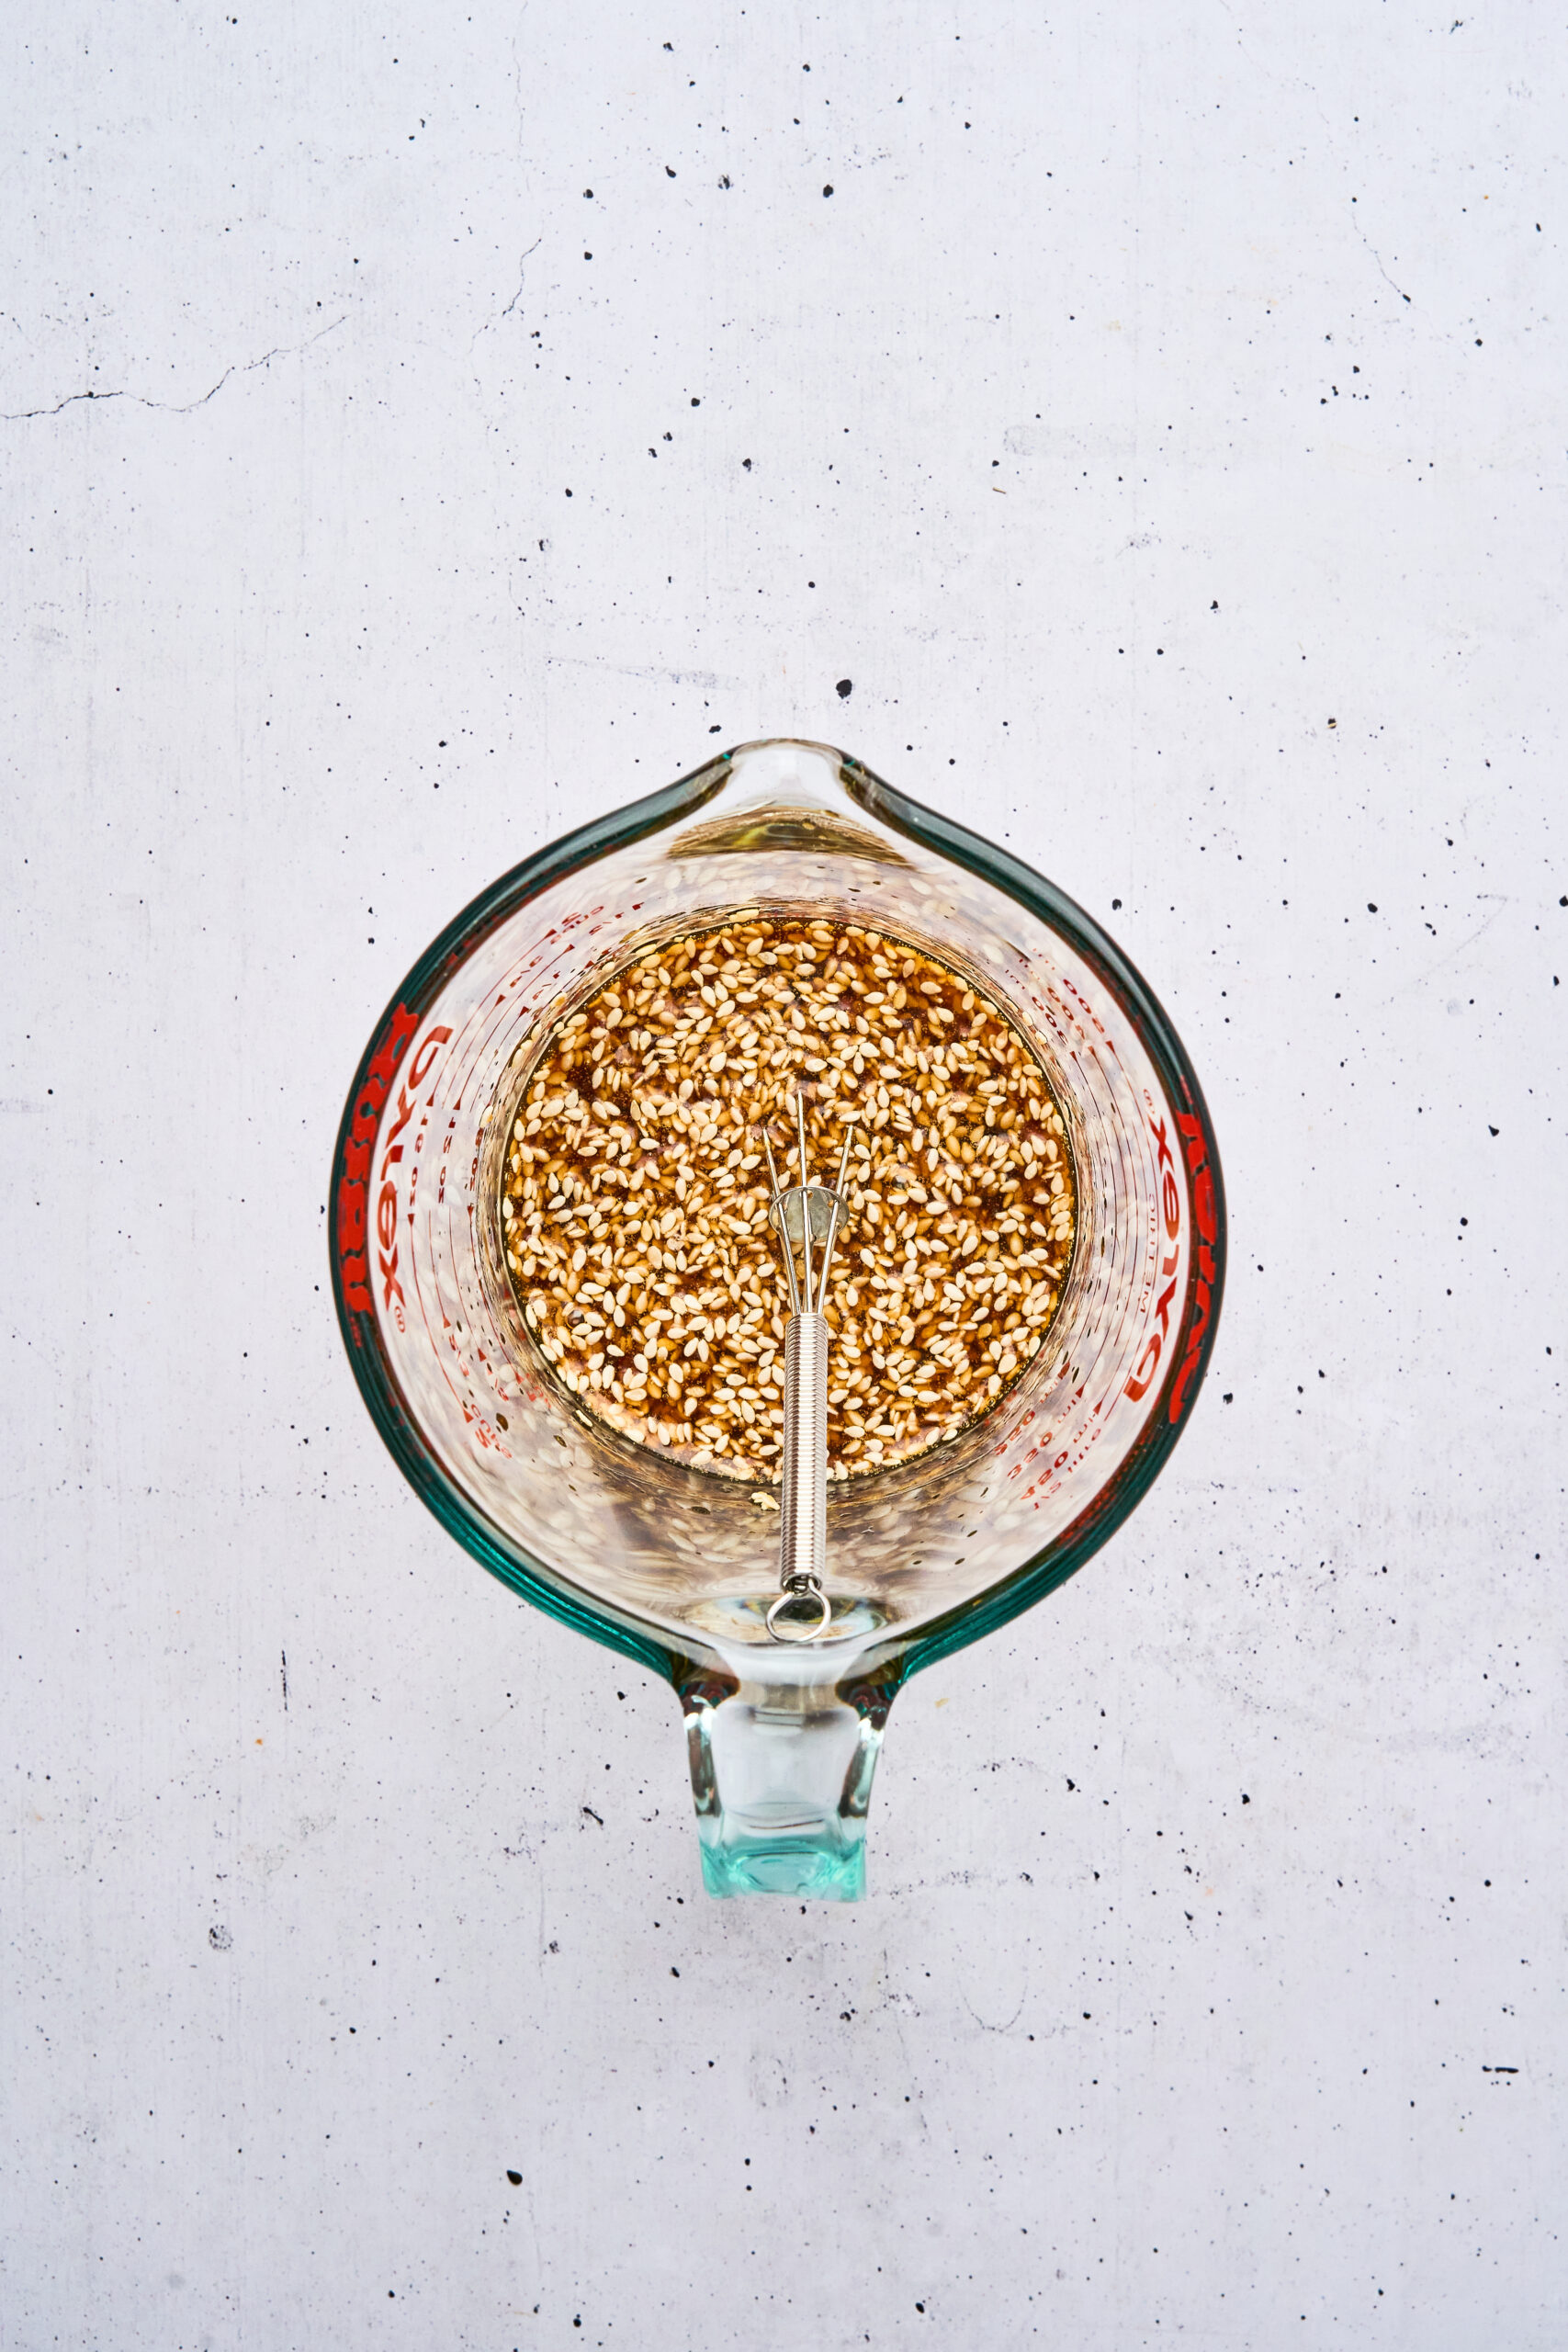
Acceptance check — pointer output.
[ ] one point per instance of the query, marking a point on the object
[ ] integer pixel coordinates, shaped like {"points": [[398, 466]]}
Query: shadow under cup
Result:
{"points": [[677, 1566]]}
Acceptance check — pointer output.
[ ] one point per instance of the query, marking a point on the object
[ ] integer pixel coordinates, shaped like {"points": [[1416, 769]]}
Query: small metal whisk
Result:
{"points": [[805, 1215]]}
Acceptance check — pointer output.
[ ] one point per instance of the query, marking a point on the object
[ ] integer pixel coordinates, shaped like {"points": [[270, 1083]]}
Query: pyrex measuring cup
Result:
{"points": [[672, 1565]]}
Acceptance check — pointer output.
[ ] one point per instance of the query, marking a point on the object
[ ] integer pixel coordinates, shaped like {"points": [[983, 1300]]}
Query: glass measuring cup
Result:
{"points": [[668, 1563]]}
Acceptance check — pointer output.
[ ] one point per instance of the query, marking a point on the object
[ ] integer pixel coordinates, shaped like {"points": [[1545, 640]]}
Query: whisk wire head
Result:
{"points": [[803, 1215]]}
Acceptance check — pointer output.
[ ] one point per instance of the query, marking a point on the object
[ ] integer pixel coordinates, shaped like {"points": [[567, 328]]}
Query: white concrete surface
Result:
{"points": [[1160, 425]]}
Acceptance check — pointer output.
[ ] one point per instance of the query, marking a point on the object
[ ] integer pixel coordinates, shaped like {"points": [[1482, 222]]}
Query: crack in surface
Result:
{"points": [[179, 408], [489, 326], [1298, 82], [1376, 257], [522, 277]]}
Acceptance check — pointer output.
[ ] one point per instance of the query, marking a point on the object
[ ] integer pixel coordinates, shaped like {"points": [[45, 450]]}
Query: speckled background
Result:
{"points": [[1139, 433]]}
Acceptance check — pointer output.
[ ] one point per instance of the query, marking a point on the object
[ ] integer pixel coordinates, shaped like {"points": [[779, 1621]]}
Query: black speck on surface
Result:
{"points": [[674, 1972], [220, 1939], [668, 173], [829, 190], [1371, 906], [1229, 1397], [1115, 902], [746, 464], [844, 689], [515, 2178]]}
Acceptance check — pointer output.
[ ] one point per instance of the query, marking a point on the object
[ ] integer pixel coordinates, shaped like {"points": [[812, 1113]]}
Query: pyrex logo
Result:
{"points": [[1204, 1211], [354, 1185], [1170, 1211]]}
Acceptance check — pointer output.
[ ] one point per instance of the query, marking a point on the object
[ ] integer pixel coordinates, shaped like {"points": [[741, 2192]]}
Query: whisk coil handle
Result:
{"points": [[802, 1505]]}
